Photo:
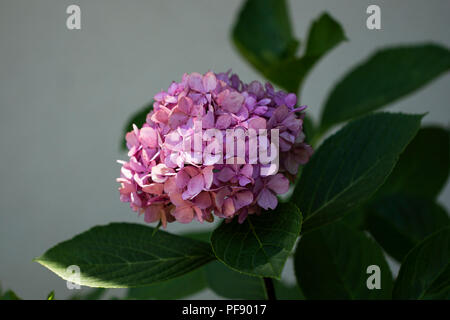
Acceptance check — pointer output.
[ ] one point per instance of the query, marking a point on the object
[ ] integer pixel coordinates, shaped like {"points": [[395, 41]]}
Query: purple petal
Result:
{"points": [[243, 181], [208, 120], [226, 174], [278, 184], [267, 199], [196, 81], [290, 100], [223, 121], [246, 170]]}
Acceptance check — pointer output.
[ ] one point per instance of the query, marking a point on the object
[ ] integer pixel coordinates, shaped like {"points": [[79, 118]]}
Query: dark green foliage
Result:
{"points": [[331, 263]]}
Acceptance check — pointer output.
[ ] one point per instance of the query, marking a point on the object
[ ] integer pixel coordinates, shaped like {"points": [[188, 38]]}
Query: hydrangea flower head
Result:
{"points": [[183, 166]]}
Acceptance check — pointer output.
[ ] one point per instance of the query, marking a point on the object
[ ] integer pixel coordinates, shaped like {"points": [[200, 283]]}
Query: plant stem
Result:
{"points": [[268, 284]]}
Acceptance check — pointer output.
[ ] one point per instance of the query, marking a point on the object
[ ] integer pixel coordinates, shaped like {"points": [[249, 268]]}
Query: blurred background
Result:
{"points": [[65, 96]]}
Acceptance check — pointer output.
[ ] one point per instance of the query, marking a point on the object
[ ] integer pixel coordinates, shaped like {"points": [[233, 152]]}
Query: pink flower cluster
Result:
{"points": [[162, 181]]}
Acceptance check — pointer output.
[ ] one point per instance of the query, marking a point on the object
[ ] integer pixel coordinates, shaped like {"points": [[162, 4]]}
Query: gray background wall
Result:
{"points": [[64, 97]]}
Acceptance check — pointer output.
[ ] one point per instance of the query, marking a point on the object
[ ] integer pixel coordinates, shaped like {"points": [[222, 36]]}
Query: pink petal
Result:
{"points": [[131, 139], [183, 214], [243, 199], [135, 200], [177, 118], [170, 186], [154, 188], [153, 213], [135, 165], [126, 187], [194, 187], [177, 199], [230, 101], [198, 213], [242, 114], [196, 81], [257, 123], [160, 116], [149, 137], [242, 216], [185, 104], [203, 200], [209, 82], [160, 173], [228, 207], [208, 120], [127, 173], [191, 171], [208, 176], [182, 179], [220, 196], [223, 121]]}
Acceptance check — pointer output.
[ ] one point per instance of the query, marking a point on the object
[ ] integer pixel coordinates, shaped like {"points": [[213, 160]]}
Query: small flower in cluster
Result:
{"points": [[213, 146]]}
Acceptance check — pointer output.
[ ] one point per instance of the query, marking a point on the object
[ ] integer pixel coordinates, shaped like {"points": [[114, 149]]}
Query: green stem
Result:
{"points": [[270, 289]]}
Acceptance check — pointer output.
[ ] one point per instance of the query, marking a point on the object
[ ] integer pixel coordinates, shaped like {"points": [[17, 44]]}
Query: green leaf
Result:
{"points": [[9, 295], [423, 167], [356, 219], [425, 272], [309, 129], [351, 165], [271, 46], [263, 33], [138, 118], [284, 291], [400, 222], [324, 35], [232, 284], [331, 263], [388, 75], [91, 294], [51, 295], [121, 255], [199, 235], [177, 288], [260, 245]]}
